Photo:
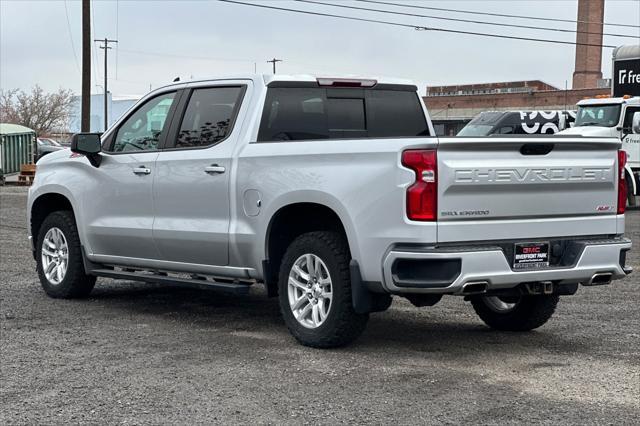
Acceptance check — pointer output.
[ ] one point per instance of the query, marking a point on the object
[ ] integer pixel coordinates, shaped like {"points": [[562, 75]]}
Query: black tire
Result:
{"points": [[75, 282], [529, 312], [631, 198], [342, 324]]}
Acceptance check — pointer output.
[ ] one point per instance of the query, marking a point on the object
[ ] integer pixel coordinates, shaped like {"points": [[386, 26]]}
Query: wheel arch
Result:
{"points": [[42, 206], [292, 220]]}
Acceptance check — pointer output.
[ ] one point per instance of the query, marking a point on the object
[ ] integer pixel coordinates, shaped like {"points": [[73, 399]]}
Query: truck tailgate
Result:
{"points": [[515, 188]]}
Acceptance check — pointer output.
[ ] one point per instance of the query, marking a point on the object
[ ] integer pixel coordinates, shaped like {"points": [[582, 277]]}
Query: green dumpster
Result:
{"points": [[17, 147]]}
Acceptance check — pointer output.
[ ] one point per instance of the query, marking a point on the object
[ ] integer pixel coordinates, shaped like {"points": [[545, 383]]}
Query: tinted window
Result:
{"points": [[142, 130], [628, 118], [318, 113], [346, 116], [209, 116], [395, 114], [294, 114], [519, 130]]}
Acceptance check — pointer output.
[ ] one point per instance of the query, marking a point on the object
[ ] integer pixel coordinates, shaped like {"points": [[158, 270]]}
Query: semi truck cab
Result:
{"points": [[613, 117]]}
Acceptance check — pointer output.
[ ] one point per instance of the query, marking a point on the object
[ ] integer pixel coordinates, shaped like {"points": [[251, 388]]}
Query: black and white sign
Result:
{"points": [[626, 77]]}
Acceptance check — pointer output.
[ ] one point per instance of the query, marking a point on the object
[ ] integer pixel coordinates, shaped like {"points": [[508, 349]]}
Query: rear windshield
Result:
{"points": [[301, 113]]}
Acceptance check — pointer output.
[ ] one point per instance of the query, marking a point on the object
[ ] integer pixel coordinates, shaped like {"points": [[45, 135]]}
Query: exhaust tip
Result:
{"points": [[475, 287], [600, 278]]}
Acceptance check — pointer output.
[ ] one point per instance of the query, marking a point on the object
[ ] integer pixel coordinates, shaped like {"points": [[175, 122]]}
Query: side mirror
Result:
{"points": [[635, 123], [87, 144]]}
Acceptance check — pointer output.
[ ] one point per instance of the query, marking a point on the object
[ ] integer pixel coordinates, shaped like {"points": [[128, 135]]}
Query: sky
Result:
{"points": [[40, 42]]}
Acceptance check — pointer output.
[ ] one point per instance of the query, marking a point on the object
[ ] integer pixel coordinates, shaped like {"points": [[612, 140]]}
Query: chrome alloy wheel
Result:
{"points": [[500, 305], [55, 256], [310, 290]]}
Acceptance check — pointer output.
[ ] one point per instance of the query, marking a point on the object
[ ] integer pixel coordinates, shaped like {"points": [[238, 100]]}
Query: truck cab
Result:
{"points": [[613, 117]]}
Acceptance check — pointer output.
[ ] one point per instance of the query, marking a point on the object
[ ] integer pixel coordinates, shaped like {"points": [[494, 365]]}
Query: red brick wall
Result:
{"points": [[533, 84], [536, 100]]}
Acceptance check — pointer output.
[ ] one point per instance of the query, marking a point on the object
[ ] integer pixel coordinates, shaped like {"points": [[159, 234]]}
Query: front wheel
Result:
{"points": [[59, 257], [314, 289], [516, 313]]}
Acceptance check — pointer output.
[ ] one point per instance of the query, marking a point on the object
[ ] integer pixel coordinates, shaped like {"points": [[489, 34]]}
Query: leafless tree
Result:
{"points": [[37, 110]]}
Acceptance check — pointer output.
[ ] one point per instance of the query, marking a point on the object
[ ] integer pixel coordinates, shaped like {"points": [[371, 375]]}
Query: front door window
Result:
{"points": [[143, 129]]}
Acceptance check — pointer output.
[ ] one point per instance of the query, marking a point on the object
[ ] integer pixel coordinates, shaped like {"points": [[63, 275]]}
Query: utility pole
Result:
{"points": [[85, 95], [273, 61], [106, 48]]}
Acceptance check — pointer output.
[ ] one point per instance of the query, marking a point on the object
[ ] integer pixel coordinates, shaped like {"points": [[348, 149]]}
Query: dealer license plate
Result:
{"points": [[531, 256]]}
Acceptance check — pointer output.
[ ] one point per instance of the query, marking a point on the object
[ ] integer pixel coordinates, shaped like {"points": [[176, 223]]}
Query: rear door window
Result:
{"points": [[209, 116], [314, 113]]}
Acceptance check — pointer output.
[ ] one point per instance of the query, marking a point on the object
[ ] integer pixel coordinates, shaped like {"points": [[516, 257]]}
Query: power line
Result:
{"points": [[415, 27], [471, 21], [73, 46], [495, 14]]}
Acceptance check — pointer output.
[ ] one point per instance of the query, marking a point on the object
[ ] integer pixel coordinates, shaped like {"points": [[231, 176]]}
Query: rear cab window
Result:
{"points": [[318, 113]]}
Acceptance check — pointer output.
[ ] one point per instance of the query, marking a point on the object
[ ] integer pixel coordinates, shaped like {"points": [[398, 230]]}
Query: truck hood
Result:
{"points": [[591, 131], [55, 156]]}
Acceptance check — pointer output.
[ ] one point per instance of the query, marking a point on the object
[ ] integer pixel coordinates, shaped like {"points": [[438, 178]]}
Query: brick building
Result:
{"points": [[452, 106]]}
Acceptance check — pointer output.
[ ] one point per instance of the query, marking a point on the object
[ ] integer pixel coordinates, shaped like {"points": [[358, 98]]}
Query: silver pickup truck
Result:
{"points": [[336, 195]]}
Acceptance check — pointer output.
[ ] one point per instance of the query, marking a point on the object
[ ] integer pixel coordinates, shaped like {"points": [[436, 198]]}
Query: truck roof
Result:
{"points": [[608, 101], [626, 52], [267, 79]]}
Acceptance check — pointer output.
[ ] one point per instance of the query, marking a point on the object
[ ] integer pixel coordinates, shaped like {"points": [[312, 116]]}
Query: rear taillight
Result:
{"points": [[422, 195], [622, 182]]}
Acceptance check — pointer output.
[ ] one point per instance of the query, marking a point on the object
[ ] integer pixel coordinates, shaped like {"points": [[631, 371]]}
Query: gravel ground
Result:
{"points": [[145, 354]]}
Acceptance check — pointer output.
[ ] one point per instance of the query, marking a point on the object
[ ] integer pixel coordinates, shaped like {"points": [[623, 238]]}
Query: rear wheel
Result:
{"points": [[631, 198], [59, 258], [517, 313], [315, 291]]}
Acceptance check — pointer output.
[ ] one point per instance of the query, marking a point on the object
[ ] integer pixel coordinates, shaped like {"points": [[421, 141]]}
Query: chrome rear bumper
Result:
{"points": [[490, 265]]}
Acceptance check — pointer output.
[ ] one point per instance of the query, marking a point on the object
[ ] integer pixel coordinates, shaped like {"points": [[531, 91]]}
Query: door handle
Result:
{"points": [[214, 168], [142, 170]]}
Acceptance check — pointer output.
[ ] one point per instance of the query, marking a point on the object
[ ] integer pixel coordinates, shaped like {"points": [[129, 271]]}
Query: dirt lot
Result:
{"points": [[144, 354]]}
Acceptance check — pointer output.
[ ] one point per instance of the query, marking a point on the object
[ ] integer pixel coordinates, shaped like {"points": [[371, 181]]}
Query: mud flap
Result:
{"points": [[365, 301]]}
